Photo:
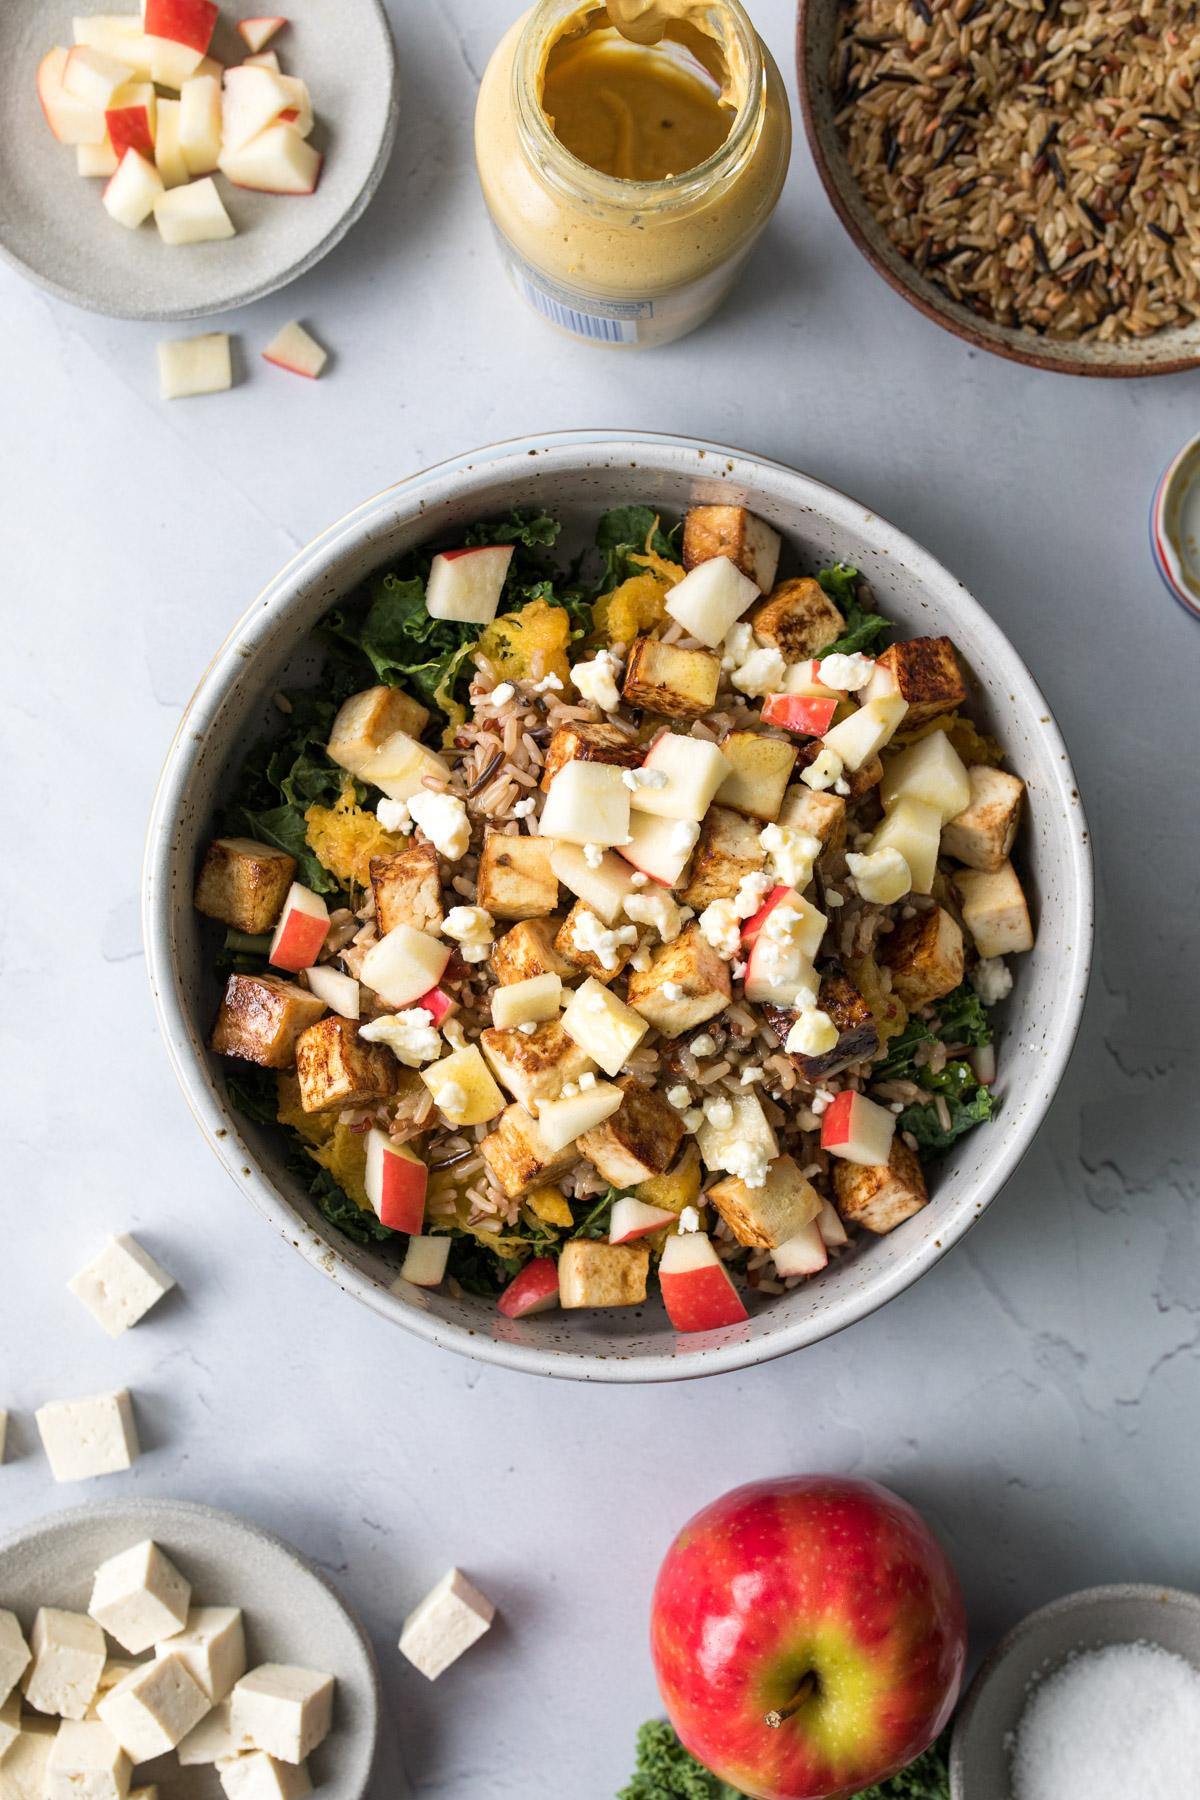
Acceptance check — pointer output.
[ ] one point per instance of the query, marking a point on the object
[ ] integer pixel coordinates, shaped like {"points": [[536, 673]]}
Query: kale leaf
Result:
{"points": [[596, 1222], [960, 1018], [335, 1205], [283, 776], [252, 1092], [665, 1771], [622, 534], [865, 630], [971, 1106], [479, 1270]]}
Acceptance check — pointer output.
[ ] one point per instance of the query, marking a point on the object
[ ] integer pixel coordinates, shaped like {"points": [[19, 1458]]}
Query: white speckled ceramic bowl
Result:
{"points": [[577, 475], [292, 1614]]}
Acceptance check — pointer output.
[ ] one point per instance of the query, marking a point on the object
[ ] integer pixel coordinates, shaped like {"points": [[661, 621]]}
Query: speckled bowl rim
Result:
{"points": [[593, 449]]}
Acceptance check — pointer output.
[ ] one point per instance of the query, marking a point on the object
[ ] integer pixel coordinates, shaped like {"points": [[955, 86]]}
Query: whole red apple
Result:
{"points": [[808, 1636]]}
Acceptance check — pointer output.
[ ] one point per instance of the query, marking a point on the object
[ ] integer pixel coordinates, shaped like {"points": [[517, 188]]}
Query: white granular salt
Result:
{"points": [[1111, 1724]]}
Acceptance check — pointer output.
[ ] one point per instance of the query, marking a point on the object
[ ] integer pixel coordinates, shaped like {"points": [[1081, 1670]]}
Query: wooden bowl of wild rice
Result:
{"points": [[1025, 174]]}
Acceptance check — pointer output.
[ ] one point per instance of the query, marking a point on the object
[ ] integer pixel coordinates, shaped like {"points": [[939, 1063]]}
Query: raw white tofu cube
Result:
{"points": [[262, 1777], [213, 1645], [68, 1660], [10, 1721], [452, 1617], [96, 1435], [87, 1763], [153, 1709], [140, 1597], [15, 1654], [121, 1285], [286, 1710], [213, 1739], [114, 1670], [23, 1767]]}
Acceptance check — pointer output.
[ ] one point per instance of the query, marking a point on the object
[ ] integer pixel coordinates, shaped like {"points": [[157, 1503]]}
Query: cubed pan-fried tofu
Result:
{"points": [[983, 834], [582, 930], [261, 1018], [761, 768], [858, 781], [686, 983], [926, 674], [582, 741], [407, 889], [335, 1067], [534, 1065], [664, 678], [767, 1216], [517, 1155], [880, 1198], [799, 618], [368, 719], [244, 884], [857, 1029], [726, 851], [821, 815], [994, 910], [732, 531], [598, 1274], [925, 955], [640, 1140], [515, 878], [528, 950]]}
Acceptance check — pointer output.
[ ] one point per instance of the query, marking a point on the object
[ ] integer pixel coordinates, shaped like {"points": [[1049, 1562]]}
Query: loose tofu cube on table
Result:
{"points": [[154, 1708], [669, 679], [925, 955], [256, 1776], [535, 1065], [367, 720], [767, 1216], [923, 671], [121, 1284], [518, 1156], [598, 1274], [735, 532], [582, 741], [686, 983], [96, 1435], [87, 1763], [212, 1643], [983, 834], [24, 1765], [880, 1197], [528, 950], [452, 1616], [408, 889], [579, 932], [15, 1654], [821, 815], [286, 1710], [336, 1067], [260, 1019], [798, 618], [603, 1026], [139, 1596], [761, 768], [515, 877], [243, 884], [994, 910], [637, 1142], [68, 1658], [727, 850]]}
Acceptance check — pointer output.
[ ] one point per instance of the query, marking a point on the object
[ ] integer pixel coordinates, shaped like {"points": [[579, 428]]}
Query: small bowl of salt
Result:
{"points": [[1094, 1697]]}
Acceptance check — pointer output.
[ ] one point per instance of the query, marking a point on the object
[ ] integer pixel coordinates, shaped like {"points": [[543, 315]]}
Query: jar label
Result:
{"points": [[583, 315]]}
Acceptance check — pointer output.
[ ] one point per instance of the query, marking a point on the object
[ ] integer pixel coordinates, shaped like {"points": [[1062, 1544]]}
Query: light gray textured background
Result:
{"points": [[1036, 1394]]}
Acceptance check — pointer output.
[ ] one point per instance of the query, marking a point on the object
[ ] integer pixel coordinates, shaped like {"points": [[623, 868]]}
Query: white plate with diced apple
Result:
{"points": [[188, 159], [166, 1645], [685, 1077]]}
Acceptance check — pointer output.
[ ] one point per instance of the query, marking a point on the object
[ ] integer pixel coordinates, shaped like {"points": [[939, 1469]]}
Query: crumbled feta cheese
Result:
{"points": [[672, 990], [641, 959], [411, 1036], [568, 1090], [739, 641], [593, 855], [689, 1219], [502, 694], [443, 819], [643, 778], [784, 926], [834, 899], [882, 876], [523, 808], [394, 815], [590, 933], [470, 926], [527, 1027], [738, 971], [846, 673], [841, 786], [703, 1044], [597, 680], [693, 1119], [550, 683], [823, 771], [656, 909], [761, 673], [452, 1099], [454, 1034], [719, 1114], [748, 1162], [792, 853], [683, 835], [992, 979], [752, 891], [637, 879], [679, 1097], [813, 1033], [751, 1074], [586, 1080], [820, 1101], [721, 927]]}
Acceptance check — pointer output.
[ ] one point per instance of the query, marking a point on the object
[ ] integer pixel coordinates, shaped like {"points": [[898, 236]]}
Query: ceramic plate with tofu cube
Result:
{"points": [[55, 231]]}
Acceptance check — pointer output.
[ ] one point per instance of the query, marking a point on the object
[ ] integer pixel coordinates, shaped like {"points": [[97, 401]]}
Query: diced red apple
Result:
{"points": [[804, 678], [805, 715], [92, 76], [534, 1290], [829, 1224], [657, 847], [404, 965], [588, 803], [696, 1289], [200, 124], [631, 1218], [96, 159], [803, 1254], [72, 121], [193, 214], [266, 59], [437, 1004], [425, 1261], [131, 117], [277, 161], [251, 100], [299, 111], [130, 196], [340, 992], [199, 365], [172, 64], [466, 585], [293, 349], [710, 598], [777, 974], [190, 22], [694, 770], [257, 33], [168, 155], [858, 1129], [120, 36], [754, 924], [396, 1180], [301, 932]]}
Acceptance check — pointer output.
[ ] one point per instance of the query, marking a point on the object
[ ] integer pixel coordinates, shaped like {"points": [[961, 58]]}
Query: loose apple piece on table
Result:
{"points": [[131, 117], [190, 22], [73, 121], [193, 214], [466, 585], [94, 77], [293, 349], [300, 934], [857, 1129], [425, 1261], [340, 992], [200, 124], [172, 64], [191, 366], [534, 1290], [130, 196], [257, 33], [696, 1289], [396, 1180], [631, 1218], [266, 60]]}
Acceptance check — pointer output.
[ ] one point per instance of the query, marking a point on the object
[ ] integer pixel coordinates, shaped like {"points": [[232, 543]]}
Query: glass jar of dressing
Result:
{"points": [[630, 153]]}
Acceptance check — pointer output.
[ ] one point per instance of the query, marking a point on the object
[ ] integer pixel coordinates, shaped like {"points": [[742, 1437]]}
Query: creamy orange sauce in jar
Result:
{"points": [[630, 155]]}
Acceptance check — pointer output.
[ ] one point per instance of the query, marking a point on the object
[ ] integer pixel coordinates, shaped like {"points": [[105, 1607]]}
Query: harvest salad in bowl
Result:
{"points": [[638, 915]]}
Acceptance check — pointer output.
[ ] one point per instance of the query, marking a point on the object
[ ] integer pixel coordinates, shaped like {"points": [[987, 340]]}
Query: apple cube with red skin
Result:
{"points": [[754, 924], [657, 848], [190, 22], [425, 1261], [804, 1253], [73, 121], [251, 100], [534, 1290], [466, 585], [696, 1289], [301, 932], [396, 1181], [257, 33], [437, 1004], [829, 1224], [803, 1581], [857, 1129], [93, 77], [802, 714], [132, 192], [631, 1218], [131, 119], [277, 161], [293, 349]]}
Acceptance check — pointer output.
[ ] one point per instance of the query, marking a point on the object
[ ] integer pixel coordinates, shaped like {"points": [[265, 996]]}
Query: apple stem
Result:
{"points": [[778, 1714]]}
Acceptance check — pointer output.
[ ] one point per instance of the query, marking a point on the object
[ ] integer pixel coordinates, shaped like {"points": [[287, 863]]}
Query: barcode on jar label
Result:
{"points": [[618, 325]]}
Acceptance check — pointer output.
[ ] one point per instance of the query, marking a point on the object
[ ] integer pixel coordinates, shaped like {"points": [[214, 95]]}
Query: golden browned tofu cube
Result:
{"points": [[925, 955], [533, 1065], [260, 1019], [407, 889], [686, 983], [583, 742], [515, 877], [244, 884], [726, 850], [821, 815], [880, 1197], [638, 1141], [927, 675], [761, 769], [735, 532], [983, 834], [994, 910], [799, 618], [767, 1216], [583, 933], [597, 1274], [527, 950], [517, 1155], [368, 719], [857, 1027], [664, 678], [335, 1067]]}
